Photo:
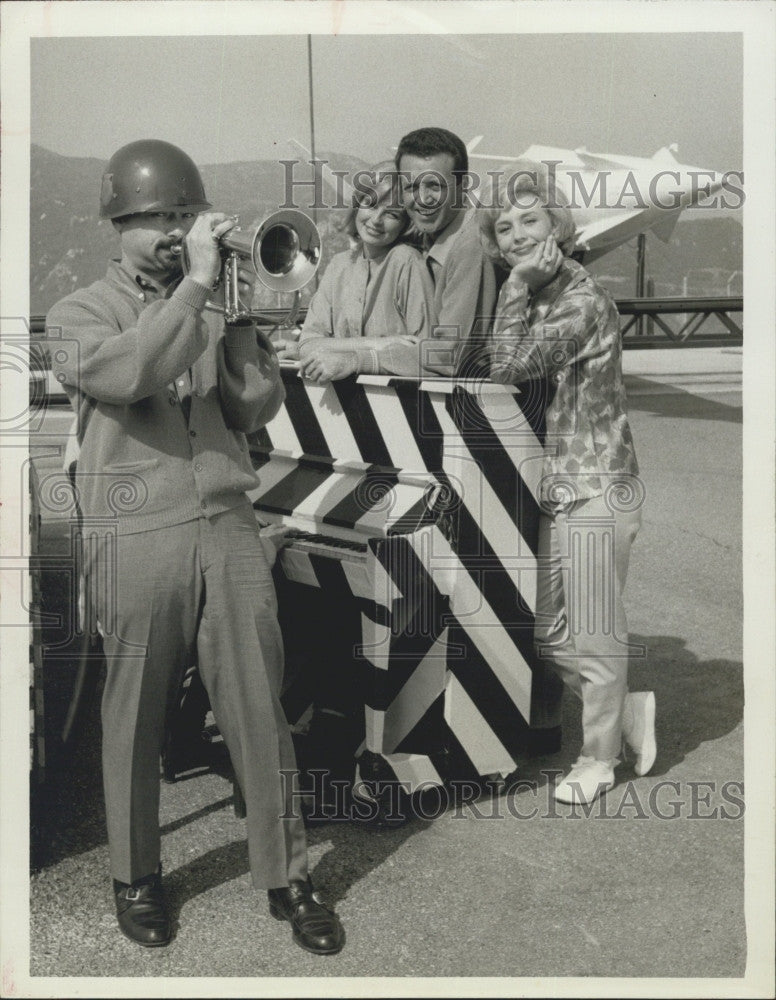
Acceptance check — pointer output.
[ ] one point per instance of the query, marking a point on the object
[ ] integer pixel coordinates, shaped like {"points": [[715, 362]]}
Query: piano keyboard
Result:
{"points": [[300, 559], [325, 545]]}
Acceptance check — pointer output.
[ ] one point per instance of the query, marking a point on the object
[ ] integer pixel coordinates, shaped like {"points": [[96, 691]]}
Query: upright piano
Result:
{"points": [[409, 582]]}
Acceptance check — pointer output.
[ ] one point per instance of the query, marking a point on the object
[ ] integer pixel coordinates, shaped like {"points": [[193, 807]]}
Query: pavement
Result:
{"points": [[702, 370], [651, 884]]}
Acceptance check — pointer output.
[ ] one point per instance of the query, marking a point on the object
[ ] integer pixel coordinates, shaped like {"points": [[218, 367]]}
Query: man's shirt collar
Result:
{"points": [[440, 248], [139, 282]]}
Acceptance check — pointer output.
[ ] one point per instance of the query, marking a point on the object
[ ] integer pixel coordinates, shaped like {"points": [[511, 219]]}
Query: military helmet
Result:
{"points": [[150, 176]]}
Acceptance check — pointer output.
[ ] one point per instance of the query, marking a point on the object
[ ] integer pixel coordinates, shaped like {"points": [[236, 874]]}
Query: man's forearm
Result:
{"points": [[123, 366]]}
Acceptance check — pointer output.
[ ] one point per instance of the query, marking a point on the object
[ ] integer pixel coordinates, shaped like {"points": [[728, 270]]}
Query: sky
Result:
{"points": [[227, 98]]}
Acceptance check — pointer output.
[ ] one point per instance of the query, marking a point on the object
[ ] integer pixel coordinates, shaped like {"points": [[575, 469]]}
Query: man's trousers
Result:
{"points": [[199, 592], [581, 626]]}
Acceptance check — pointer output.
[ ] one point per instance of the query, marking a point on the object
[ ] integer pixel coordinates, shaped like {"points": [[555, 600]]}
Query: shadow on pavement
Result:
{"points": [[697, 700], [353, 855], [676, 402]]}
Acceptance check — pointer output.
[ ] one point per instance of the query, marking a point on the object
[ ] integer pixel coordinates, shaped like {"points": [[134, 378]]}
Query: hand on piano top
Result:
{"points": [[287, 347], [273, 537], [322, 365]]}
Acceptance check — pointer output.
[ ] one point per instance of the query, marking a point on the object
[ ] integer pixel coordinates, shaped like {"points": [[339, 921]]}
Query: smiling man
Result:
{"points": [[433, 163]]}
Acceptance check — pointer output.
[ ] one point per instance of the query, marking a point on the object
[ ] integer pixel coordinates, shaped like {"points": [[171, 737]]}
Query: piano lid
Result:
{"points": [[365, 423], [366, 454], [340, 501], [347, 458]]}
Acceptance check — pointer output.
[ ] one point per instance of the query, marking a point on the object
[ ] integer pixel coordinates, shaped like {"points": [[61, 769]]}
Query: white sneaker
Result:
{"points": [[638, 729], [587, 779]]}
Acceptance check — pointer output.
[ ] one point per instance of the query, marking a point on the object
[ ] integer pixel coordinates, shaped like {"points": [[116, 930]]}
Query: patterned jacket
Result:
{"points": [[569, 332]]}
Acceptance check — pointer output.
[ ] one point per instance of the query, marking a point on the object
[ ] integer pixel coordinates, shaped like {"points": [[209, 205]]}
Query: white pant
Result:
{"points": [[581, 624]]}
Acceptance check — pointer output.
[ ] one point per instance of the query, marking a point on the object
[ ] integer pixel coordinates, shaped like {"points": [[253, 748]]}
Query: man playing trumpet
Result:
{"points": [[165, 391]]}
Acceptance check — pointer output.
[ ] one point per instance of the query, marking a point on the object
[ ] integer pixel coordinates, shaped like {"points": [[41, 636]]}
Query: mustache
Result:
{"points": [[166, 245]]}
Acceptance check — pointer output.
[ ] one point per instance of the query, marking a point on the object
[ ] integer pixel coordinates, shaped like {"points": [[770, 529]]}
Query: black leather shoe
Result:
{"points": [[316, 929], [141, 911]]}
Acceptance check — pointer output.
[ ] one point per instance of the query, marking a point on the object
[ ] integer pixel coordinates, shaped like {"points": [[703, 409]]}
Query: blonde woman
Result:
{"points": [[554, 321], [375, 302]]}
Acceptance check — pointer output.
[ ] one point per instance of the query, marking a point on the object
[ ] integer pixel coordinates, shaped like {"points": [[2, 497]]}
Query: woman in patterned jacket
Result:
{"points": [[554, 321]]}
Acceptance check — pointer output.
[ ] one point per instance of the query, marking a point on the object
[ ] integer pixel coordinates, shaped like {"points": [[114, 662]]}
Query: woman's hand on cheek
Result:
{"points": [[542, 266]]}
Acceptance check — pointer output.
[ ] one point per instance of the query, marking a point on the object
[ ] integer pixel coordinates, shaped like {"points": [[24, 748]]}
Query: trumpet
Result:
{"points": [[284, 252]]}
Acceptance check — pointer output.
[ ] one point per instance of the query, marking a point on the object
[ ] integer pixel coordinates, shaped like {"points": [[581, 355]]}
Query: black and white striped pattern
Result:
{"points": [[450, 570]]}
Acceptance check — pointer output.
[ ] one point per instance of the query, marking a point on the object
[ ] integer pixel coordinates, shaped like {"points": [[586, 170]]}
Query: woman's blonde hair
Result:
{"points": [[528, 185], [377, 185]]}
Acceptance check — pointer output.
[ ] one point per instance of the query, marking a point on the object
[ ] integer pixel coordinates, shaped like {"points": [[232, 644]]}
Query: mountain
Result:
{"points": [[703, 257], [69, 245]]}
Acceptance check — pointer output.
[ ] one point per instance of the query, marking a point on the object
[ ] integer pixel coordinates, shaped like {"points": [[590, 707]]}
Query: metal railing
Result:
{"points": [[640, 318]]}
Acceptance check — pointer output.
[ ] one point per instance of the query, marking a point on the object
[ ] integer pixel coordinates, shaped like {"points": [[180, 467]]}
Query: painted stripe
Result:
{"points": [[281, 433], [333, 422], [495, 644], [376, 646], [271, 474], [489, 514], [493, 523], [329, 496], [482, 685], [303, 419], [369, 491], [417, 695], [518, 437], [499, 466], [400, 440], [415, 622], [437, 560], [497, 588], [366, 430], [374, 720], [418, 516], [533, 401], [404, 497], [421, 419], [289, 493], [486, 752], [331, 578]]}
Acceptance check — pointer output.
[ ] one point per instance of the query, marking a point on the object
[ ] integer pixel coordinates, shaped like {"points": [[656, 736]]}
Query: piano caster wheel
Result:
{"points": [[389, 804], [394, 809]]}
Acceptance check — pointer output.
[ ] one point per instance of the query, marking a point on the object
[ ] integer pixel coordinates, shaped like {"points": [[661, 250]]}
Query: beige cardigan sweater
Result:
{"points": [[164, 394]]}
